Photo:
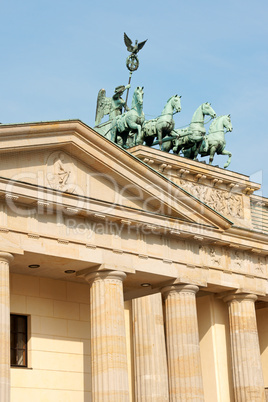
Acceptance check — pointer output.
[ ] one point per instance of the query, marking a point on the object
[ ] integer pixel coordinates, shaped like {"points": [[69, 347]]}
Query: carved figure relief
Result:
{"points": [[210, 256], [260, 265], [60, 172], [237, 259], [226, 203], [216, 259]]}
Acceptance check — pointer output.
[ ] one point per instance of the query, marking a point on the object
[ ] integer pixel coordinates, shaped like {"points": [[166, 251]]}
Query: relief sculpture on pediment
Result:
{"points": [[224, 202], [60, 172]]}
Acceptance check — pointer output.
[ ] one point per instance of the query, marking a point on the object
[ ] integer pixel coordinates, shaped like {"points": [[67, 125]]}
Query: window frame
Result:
{"points": [[24, 349]]}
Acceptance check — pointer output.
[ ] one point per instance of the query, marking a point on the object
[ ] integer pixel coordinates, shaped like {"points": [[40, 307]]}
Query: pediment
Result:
{"points": [[71, 158]]}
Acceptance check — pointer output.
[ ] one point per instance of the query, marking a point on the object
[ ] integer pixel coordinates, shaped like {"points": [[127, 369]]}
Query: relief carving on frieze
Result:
{"points": [[224, 202], [237, 260], [260, 265], [210, 255]]}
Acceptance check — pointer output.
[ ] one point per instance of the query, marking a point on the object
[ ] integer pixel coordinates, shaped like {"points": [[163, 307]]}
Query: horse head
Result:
{"points": [[137, 97], [176, 103], [227, 122], [207, 110]]}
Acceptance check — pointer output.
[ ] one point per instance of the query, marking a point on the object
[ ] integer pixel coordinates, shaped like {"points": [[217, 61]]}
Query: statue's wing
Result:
{"points": [[103, 106], [128, 43], [141, 44]]}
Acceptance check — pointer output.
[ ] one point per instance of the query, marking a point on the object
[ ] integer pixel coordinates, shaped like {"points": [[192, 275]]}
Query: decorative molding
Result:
{"points": [[183, 172], [175, 232], [249, 190], [63, 241], [126, 222], [71, 211], [100, 216], [200, 177], [12, 197], [118, 251], [148, 161], [91, 246], [198, 238], [216, 182], [143, 256], [42, 203], [33, 236]]}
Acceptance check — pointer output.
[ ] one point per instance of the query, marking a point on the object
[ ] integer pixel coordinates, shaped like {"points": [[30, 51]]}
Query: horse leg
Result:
{"points": [[160, 136], [177, 146], [140, 137], [137, 135], [212, 153], [189, 152], [225, 152], [113, 133], [137, 130], [167, 146], [199, 148]]}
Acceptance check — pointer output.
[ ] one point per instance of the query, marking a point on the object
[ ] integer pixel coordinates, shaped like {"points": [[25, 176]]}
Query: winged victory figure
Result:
{"points": [[104, 105], [112, 106], [134, 49]]}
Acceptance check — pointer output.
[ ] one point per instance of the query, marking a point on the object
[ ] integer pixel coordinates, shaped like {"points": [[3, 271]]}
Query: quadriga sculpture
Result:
{"points": [[215, 142], [162, 125], [129, 124], [192, 136]]}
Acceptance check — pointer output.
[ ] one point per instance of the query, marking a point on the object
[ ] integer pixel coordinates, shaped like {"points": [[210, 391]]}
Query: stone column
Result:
{"points": [[5, 259], [151, 380], [108, 337], [183, 350], [246, 360]]}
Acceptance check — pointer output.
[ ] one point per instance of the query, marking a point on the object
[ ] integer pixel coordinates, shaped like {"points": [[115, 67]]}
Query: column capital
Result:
{"points": [[240, 297], [102, 275], [6, 257], [179, 288]]}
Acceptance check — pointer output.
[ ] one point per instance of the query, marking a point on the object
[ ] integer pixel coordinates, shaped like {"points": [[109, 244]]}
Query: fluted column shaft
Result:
{"points": [[5, 258], [151, 379], [246, 360], [108, 337], [184, 363]]}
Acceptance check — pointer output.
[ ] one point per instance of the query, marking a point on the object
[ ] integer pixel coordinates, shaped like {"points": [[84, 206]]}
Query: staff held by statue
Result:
{"points": [[132, 61]]}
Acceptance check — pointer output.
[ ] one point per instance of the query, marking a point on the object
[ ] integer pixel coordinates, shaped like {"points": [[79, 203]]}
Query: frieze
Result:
{"points": [[224, 202]]}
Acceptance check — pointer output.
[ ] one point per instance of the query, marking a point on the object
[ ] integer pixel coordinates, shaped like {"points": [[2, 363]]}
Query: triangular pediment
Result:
{"points": [[71, 158]]}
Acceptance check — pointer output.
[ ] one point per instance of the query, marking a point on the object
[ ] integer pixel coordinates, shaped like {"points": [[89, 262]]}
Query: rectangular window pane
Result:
{"points": [[12, 340], [13, 357], [21, 324], [18, 340]]}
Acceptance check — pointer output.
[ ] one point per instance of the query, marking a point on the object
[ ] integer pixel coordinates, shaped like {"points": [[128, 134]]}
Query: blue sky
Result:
{"points": [[57, 54]]}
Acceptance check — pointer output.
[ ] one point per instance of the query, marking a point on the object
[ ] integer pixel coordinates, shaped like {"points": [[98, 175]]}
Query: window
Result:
{"points": [[18, 340]]}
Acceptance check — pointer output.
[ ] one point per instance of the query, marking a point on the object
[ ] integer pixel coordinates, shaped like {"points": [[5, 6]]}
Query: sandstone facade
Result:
{"points": [[142, 275]]}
